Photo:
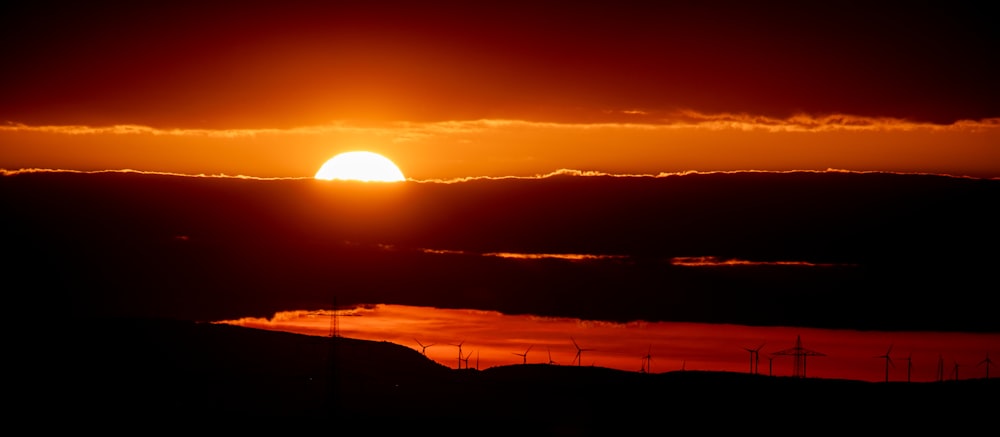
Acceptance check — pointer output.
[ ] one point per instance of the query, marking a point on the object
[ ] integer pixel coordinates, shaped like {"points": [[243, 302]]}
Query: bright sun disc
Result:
{"points": [[360, 166]]}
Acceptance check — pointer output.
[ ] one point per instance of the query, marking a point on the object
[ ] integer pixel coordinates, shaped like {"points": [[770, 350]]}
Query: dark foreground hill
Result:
{"points": [[107, 374]]}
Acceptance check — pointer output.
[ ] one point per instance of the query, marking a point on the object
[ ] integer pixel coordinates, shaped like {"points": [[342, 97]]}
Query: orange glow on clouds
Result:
{"points": [[563, 256], [493, 339], [458, 149], [710, 261]]}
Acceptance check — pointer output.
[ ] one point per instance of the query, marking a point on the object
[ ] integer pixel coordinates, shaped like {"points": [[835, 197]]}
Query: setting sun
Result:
{"points": [[360, 166]]}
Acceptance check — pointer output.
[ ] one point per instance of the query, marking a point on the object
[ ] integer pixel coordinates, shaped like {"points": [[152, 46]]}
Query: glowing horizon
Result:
{"points": [[451, 150], [498, 339]]}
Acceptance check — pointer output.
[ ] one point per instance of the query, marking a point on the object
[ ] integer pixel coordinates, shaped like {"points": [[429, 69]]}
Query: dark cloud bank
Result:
{"points": [[899, 252]]}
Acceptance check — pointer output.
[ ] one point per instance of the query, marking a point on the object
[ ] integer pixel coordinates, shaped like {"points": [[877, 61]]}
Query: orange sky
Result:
{"points": [[456, 149], [458, 89], [451, 89]]}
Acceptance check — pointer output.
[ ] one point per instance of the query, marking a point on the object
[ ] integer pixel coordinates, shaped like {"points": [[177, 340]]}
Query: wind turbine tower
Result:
{"points": [[466, 360], [987, 362], [579, 352], [940, 368], [888, 362], [647, 361], [423, 347], [524, 356], [754, 358], [459, 353], [909, 366]]}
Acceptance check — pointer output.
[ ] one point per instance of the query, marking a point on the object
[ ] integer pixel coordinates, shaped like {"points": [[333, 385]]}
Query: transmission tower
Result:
{"points": [[800, 354]]}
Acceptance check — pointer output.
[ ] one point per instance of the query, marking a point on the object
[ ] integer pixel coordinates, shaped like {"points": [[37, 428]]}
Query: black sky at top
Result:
{"points": [[181, 63]]}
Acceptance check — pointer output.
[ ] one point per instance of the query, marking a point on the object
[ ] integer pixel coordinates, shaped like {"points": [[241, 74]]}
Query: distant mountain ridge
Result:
{"points": [[904, 252]]}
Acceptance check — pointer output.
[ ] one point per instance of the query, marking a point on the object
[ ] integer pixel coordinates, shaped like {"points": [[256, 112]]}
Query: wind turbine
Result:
{"points": [[909, 366], [956, 370], [888, 362], [579, 352], [940, 368], [466, 360], [754, 358], [459, 353], [988, 362], [524, 355], [647, 361], [423, 348], [550, 357]]}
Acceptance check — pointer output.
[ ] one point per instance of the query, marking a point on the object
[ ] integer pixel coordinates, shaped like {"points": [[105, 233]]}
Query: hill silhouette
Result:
{"points": [[179, 372]]}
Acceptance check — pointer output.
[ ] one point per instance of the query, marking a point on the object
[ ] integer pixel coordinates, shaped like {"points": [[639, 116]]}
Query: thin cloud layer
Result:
{"points": [[460, 150], [679, 120]]}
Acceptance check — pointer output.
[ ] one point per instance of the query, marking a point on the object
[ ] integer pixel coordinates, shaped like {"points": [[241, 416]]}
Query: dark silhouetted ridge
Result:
{"points": [[184, 373]]}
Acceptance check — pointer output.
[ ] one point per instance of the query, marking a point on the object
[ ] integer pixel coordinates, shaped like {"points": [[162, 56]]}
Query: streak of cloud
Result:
{"points": [[467, 149], [8, 172], [408, 130]]}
